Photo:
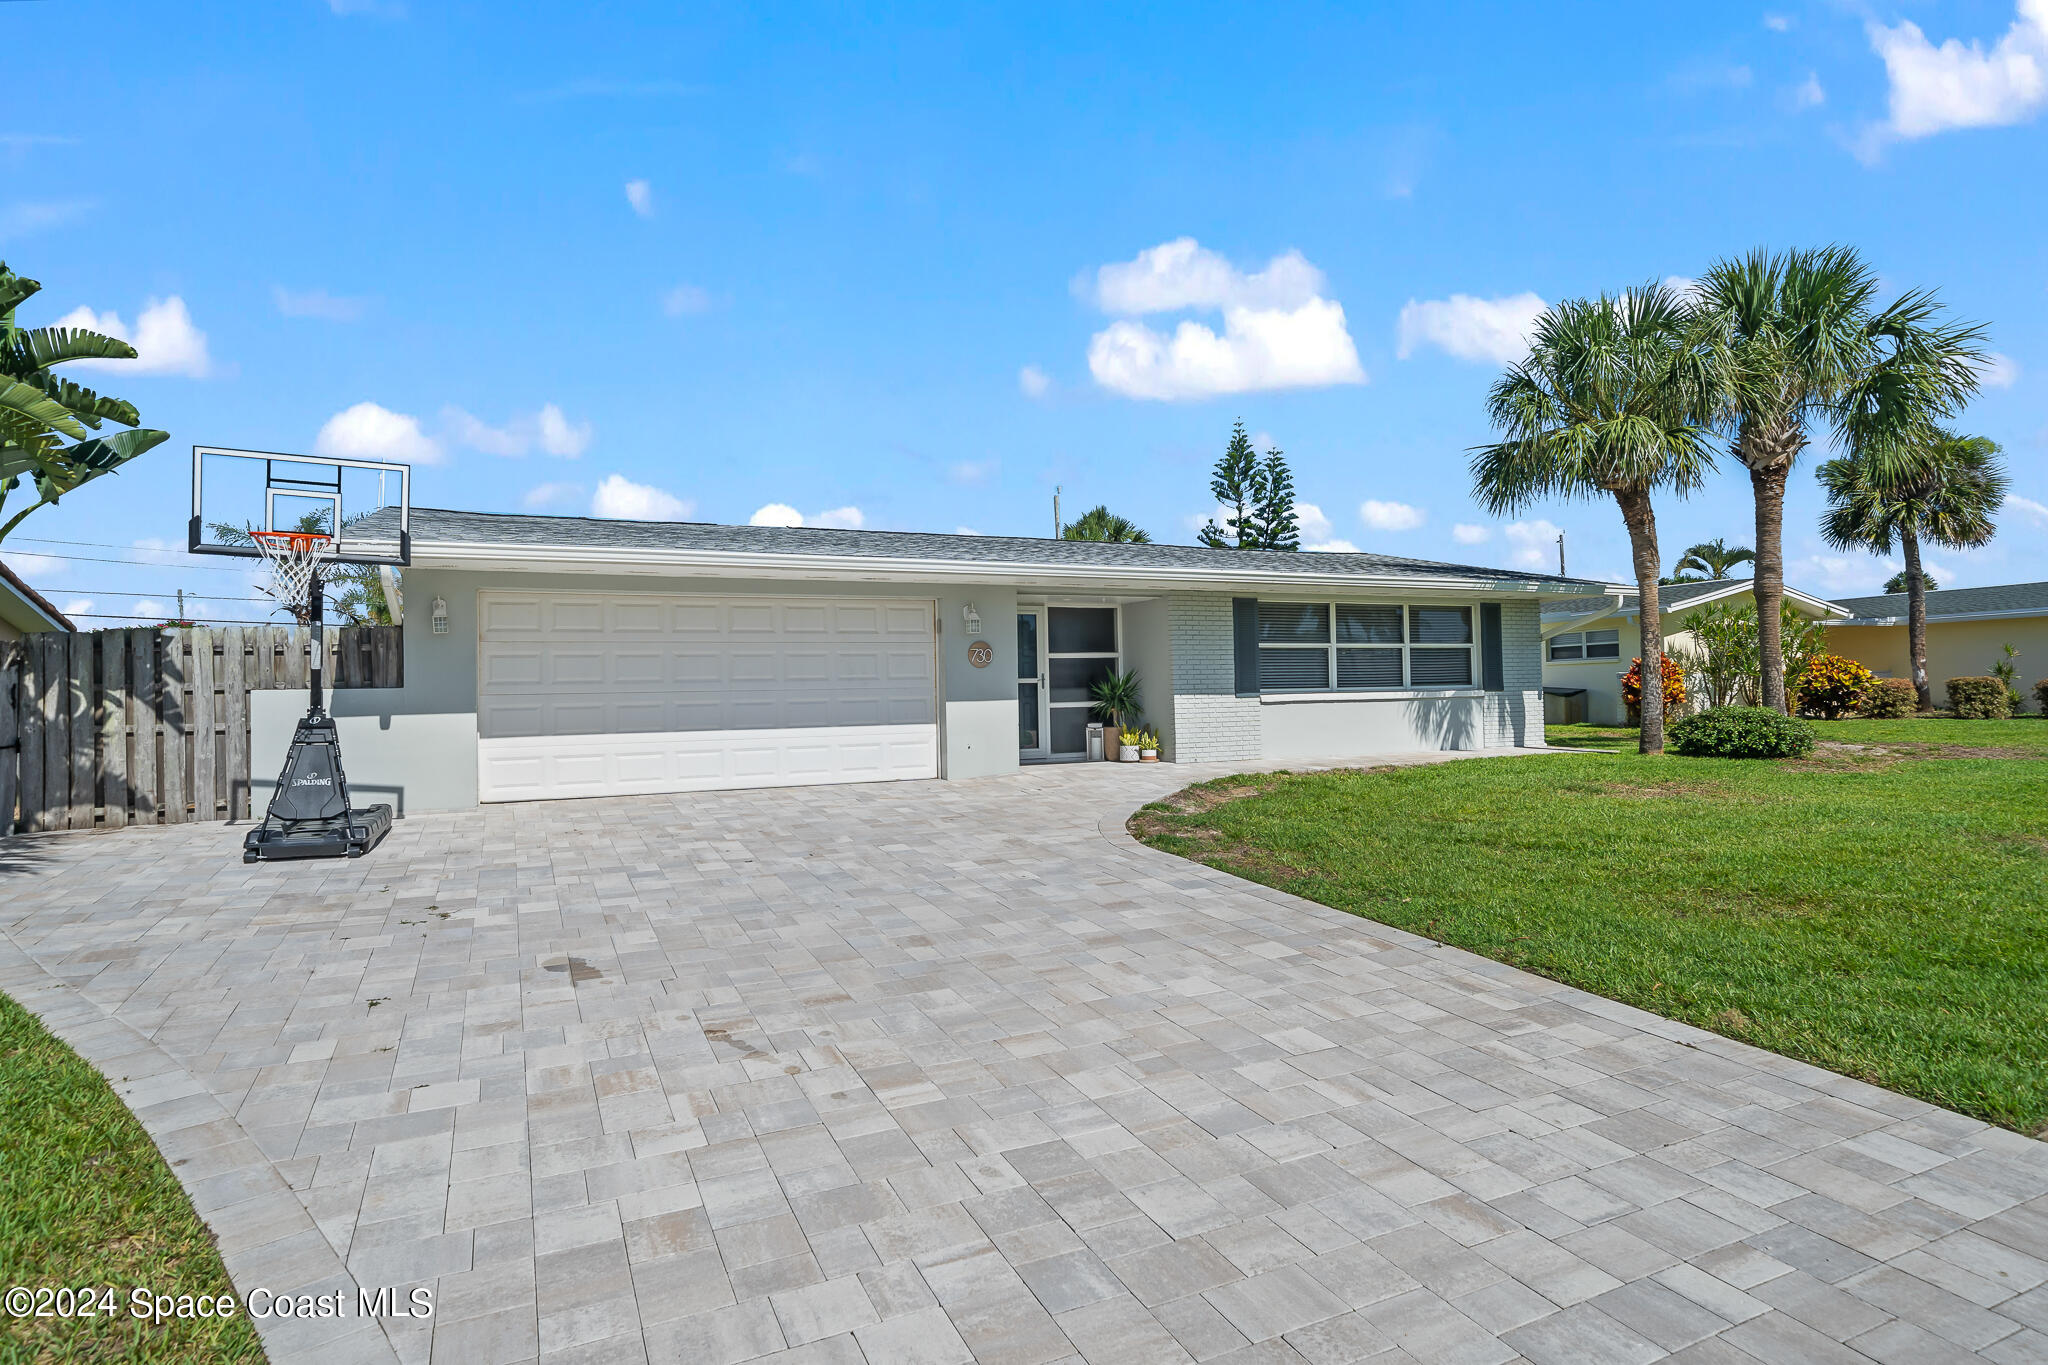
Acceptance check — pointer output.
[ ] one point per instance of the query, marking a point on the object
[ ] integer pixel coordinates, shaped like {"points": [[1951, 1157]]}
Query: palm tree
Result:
{"points": [[46, 423], [1099, 523], [1614, 399], [1805, 344], [1710, 559], [1951, 499]]}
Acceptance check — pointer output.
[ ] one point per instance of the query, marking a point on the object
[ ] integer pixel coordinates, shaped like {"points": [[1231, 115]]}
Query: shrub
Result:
{"points": [[1741, 732], [1674, 686], [2041, 696], [1831, 685], [1979, 699], [1890, 698]]}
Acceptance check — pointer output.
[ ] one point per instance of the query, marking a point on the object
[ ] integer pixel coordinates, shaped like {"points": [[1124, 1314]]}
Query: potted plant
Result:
{"points": [[1116, 700], [1148, 747], [1127, 750]]}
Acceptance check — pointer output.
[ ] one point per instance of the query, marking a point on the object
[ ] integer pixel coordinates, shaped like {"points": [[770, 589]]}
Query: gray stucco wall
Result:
{"points": [[418, 743], [1212, 723], [1148, 651]]}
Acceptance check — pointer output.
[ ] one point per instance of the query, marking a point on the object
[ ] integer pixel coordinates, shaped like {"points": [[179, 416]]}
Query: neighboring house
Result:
{"points": [[24, 611], [1590, 641], [560, 656], [1967, 629]]}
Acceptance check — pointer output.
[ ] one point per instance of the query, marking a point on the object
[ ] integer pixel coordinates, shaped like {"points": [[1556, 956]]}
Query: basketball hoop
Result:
{"points": [[295, 556]]}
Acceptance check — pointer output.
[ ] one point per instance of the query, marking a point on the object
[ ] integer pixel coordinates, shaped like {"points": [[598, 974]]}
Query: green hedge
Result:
{"points": [[1890, 699], [1979, 699], [1741, 732]]}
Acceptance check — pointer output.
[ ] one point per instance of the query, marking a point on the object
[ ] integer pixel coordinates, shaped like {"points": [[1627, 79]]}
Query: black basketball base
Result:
{"points": [[310, 817]]}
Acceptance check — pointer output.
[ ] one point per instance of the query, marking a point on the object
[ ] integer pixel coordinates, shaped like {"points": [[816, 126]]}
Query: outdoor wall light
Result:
{"points": [[440, 616], [972, 617]]}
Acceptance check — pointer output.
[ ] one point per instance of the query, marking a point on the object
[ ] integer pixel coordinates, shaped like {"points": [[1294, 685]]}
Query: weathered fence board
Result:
{"points": [[151, 726]]}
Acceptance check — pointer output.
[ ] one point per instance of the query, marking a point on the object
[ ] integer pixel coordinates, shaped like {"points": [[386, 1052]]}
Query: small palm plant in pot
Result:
{"points": [[1117, 700]]}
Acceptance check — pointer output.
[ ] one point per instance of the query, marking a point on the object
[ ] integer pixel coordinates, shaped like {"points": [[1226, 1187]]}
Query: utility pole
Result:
{"points": [[1560, 556], [181, 604], [1056, 527]]}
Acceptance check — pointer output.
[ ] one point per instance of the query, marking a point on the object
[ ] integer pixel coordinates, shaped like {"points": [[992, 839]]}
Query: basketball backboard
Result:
{"points": [[365, 504]]}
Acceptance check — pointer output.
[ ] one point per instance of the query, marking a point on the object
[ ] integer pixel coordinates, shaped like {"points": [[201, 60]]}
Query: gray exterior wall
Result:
{"points": [[1213, 724], [1148, 651], [416, 746]]}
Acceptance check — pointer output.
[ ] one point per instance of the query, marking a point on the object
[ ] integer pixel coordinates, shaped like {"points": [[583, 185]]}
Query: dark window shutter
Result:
{"points": [[1491, 667], [1244, 620]]}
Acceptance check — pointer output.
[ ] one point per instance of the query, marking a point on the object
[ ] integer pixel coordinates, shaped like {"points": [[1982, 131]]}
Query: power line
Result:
{"points": [[142, 563], [149, 592], [208, 621]]}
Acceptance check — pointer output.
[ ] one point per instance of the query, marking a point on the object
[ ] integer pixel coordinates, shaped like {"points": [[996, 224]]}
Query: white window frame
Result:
{"points": [[1577, 639], [1331, 647]]}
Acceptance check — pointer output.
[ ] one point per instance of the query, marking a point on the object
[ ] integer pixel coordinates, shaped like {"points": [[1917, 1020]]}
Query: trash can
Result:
{"points": [[1095, 750]]}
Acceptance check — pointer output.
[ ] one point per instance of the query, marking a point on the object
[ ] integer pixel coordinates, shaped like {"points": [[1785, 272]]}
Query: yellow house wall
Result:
{"points": [[1955, 649]]}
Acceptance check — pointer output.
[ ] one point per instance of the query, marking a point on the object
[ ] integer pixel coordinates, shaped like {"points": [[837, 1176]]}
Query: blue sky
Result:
{"points": [[915, 267]]}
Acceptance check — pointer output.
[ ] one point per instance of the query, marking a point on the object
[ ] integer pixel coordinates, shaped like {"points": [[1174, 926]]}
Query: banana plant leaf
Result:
{"points": [[35, 405], [33, 349], [14, 289], [89, 407], [60, 471]]}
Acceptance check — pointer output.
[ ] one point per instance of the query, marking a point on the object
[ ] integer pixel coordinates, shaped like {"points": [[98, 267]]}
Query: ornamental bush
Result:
{"points": [[1741, 732], [1890, 699], [2041, 696], [1674, 686], [1979, 699], [1831, 685]]}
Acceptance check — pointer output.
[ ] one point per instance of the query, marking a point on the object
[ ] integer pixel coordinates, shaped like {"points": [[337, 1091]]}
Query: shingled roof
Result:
{"points": [[441, 529], [2004, 599]]}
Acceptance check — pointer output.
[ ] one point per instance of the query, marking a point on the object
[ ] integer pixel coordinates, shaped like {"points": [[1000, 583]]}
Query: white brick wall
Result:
{"points": [[1211, 723]]}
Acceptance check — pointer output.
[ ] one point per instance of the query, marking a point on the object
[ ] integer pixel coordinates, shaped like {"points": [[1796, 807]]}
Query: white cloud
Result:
{"points": [[685, 300], [1845, 575], [1533, 544], [1808, 94], [28, 564], [640, 195], [1777, 23], [548, 429], [621, 498], [78, 606], [152, 550], [149, 608], [1468, 533], [1278, 330], [782, 514], [1180, 274], [2027, 507], [1389, 516], [965, 531], [316, 303], [1033, 382], [369, 432], [972, 472], [1999, 371], [1331, 547], [1682, 284], [1495, 330], [776, 514], [1310, 520], [550, 495], [164, 339], [1961, 85]]}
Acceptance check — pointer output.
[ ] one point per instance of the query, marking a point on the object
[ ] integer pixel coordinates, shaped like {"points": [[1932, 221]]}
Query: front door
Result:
{"points": [[1031, 716], [1080, 651]]}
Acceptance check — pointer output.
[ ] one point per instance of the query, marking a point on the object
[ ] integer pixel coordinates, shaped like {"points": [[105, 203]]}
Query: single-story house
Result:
{"points": [[1589, 641], [24, 611], [564, 656], [1967, 631]]}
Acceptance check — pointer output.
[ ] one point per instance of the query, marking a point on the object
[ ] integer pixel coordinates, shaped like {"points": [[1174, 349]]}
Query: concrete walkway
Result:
{"points": [[932, 1072]]}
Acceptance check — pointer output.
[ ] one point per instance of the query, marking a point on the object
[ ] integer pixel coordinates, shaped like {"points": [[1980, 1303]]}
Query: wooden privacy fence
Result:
{"points": [[151, 726]]}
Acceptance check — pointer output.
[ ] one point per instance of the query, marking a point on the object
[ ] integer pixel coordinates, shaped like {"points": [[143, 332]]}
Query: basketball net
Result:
{"points": [[295, 556]]}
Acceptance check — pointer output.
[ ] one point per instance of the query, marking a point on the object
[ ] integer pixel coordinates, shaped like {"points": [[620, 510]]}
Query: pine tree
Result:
{"points": [[1278, 527], [1235, 485]]}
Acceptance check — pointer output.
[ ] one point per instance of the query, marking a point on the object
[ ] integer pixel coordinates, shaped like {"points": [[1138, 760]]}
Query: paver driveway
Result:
{"points": [[937, 1071]]}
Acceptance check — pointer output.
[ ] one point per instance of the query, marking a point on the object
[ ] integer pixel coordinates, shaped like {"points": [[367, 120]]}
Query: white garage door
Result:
{"points": [[608, 694]]}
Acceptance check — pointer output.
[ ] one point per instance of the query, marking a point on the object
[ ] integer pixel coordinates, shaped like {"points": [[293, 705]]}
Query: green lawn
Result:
{"points": [[86, 1199], [1880, 908]]}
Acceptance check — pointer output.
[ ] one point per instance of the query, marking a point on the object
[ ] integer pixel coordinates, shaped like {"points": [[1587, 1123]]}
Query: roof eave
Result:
{"points": [[2008, 614], [737, 563]]}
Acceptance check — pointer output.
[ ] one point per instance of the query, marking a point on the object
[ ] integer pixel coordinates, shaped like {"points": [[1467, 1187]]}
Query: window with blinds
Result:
{"points": [[1364, 647]]}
